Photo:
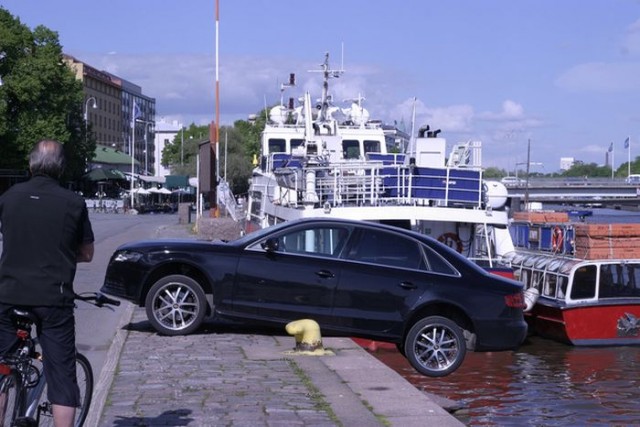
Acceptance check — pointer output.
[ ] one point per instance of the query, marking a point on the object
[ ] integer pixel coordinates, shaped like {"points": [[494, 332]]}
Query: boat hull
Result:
{"points": [[588, 324]]}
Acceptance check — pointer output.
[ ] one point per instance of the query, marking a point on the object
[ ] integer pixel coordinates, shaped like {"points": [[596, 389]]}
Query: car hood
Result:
{"points": [[172, 244]]}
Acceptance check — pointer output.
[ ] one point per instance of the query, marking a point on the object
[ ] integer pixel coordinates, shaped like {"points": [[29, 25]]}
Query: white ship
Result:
{"points": [[318, 159]]}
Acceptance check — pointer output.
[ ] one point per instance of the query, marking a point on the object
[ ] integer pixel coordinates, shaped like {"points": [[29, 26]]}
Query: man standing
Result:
{"points": [[46, 231]]}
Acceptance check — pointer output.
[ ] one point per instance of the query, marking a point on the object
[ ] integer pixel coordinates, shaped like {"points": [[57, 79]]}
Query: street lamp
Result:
{"points": [[86, 113], [146, 130]]}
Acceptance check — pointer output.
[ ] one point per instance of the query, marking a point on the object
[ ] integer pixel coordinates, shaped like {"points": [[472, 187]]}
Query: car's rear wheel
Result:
{"points": [[435, 346], [176, 305]]}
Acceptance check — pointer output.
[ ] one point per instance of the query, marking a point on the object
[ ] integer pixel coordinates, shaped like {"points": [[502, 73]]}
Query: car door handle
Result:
{"points": [[325, 274], [408, 285]]}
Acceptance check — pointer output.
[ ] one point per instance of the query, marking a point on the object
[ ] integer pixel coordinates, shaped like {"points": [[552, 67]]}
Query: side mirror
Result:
{"points": [[271, 245]]}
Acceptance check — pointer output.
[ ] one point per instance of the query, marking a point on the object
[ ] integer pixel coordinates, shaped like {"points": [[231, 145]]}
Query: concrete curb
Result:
{"points": [[103, 384]]}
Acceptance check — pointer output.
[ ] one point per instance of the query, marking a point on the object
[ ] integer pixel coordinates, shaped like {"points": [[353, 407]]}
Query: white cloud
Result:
{"points": [[601, 77], [631, 41]]}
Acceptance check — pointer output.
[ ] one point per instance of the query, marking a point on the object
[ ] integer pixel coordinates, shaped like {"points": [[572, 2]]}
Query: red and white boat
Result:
{"points": [[588, 297]]}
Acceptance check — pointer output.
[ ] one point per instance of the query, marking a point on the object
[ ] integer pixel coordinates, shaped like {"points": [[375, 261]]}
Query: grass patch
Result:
{"points": [[319, 402]]}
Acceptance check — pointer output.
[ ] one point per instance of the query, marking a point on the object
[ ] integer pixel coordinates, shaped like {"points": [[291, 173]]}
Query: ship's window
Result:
{"points": [[536, 280], [371, 146], [584, 283], [562, 286], [549, 288], [524, 278], [256, 202], [619, 280], [295, 143], [277, 145], [351, 149]]}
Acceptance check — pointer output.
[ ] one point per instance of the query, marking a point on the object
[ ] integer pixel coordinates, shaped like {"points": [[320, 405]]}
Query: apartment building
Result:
{"points": [[109, 108]]}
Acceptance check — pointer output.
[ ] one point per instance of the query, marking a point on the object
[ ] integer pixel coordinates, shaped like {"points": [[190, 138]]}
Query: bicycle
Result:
{"points": [[23, 389]]}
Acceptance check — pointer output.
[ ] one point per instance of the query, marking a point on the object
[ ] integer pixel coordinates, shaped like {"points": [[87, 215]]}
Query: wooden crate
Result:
{"points": [[607, 241], [541, 217], [585, 252], [607, 230]]}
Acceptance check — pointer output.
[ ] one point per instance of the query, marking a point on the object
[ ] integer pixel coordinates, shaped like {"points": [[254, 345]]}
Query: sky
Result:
{"points": [[561, 77]]}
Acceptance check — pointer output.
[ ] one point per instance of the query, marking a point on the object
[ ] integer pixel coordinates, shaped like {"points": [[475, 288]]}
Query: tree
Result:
{"points": [[40, 98], [592, 170], [494, 172], [623, 170], [181, 154]]}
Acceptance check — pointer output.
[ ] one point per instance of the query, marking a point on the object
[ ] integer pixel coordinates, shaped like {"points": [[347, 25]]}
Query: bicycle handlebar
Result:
{"points": [[97, 299]]}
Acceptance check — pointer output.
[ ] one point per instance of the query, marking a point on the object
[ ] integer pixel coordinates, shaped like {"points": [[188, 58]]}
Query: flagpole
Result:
{"points": [[132, 150], [628, 155], [613, 157]]}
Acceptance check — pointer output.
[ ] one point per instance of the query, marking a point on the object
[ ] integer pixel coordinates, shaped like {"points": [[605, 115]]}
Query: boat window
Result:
{"points": [[295, 143], [524, 278], [371, 146], [536, 279], [550, 282], [562, 286], [256, 202], [325, 241], [277, 145], [619, 280], [584, 283], [351, 149]]}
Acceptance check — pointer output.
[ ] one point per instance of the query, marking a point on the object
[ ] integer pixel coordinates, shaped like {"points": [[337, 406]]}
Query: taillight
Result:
{"points": [[5, 369], [515, 300]]}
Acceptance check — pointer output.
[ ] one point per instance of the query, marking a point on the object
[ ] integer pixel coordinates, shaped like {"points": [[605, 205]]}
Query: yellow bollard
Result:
{"points": [[308, 338]]}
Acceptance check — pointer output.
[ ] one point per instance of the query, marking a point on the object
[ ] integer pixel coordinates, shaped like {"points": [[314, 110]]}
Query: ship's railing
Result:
{"points": [[374, 183]]}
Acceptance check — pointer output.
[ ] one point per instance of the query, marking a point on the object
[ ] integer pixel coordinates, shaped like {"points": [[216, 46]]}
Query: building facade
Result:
{"points": [[165, 133], [109, 108]]}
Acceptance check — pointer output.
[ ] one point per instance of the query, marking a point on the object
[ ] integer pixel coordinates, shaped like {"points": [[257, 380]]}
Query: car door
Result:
{"points": [[385, 276], [296, 281]]}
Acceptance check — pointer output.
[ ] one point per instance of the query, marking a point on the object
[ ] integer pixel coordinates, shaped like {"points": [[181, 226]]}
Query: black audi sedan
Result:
{"points": [[355, 278]]}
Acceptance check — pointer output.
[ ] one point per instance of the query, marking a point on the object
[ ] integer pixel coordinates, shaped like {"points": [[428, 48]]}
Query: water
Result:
{"points": [[543, 383]]}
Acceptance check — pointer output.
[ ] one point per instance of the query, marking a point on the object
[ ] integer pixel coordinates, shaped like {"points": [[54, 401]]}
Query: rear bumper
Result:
{"points": [[500, 335]]}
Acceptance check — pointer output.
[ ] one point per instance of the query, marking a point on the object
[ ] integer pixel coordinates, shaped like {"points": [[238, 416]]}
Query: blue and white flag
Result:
{"points": [[136, 111], [626, 143]]}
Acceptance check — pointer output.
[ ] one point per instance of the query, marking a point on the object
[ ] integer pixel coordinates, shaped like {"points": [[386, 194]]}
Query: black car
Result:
{"points": [[354, 278]]}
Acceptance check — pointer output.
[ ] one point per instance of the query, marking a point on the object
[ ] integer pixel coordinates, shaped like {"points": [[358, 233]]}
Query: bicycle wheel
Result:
{"points": [[84, 374], [10, 396]]}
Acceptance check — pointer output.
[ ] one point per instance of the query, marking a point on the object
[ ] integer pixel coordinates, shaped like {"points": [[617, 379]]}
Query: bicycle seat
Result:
{"points": [[23, 316]]}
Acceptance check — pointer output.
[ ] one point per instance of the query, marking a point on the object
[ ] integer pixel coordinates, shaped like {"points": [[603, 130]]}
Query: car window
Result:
{"points": [[386, 248], [436, 263], [324, 241]]}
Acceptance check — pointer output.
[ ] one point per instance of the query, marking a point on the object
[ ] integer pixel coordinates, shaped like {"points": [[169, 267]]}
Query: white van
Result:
{"points": [[634, 178]]}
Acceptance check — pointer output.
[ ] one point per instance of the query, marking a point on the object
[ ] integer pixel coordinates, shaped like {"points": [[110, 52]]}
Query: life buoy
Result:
{"points": [[452, 240], [557, 239]]}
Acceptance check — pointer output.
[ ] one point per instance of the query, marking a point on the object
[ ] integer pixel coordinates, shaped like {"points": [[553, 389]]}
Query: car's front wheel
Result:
{"points": [[176, 305], [435, 346]]}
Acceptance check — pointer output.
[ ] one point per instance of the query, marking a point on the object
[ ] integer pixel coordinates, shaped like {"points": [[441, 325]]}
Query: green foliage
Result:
{"points": [[40, 98], [236, 150], [591, 170], [493, 172], [623, 170]]}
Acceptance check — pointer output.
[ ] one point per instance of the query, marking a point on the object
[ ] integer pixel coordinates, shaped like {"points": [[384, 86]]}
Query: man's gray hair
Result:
{"points": [[47, 158]]}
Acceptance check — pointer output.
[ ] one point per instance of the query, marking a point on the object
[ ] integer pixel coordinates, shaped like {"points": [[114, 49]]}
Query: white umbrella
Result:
{"points": [[160, 190]]}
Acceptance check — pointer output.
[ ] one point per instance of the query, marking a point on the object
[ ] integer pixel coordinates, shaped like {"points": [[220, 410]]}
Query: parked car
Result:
{"points": [[512, 181], [355, 278]]}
